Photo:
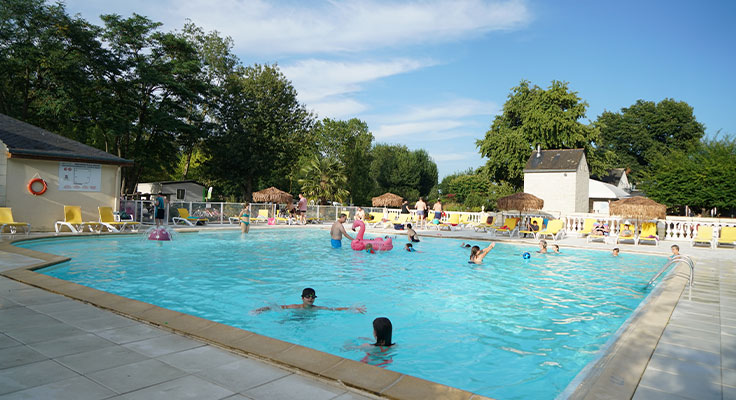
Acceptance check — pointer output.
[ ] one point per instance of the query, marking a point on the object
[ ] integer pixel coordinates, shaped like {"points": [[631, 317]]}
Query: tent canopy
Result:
{"points": [[520, 202], [639, 208]]}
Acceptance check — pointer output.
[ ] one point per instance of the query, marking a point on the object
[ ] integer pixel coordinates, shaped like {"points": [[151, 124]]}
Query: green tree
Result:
{"points": [[463, 186], [704, 178], [325, 179], [348, 142], [637, 135], [49, 65], [534, 115], [261, 130], [398, 170]]}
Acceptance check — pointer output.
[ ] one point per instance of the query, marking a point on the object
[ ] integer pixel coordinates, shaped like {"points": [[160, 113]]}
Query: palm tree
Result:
{"points": [[325, 180]]}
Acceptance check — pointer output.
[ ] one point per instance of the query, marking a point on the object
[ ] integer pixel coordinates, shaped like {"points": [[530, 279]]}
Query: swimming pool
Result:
{"points": [[510, 328]]}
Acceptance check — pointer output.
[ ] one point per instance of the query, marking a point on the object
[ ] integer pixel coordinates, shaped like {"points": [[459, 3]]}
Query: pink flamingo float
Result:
{"points": [[378, 244]]}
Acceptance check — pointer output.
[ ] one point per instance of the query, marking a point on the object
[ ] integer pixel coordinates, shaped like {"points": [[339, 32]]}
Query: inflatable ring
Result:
{"points": [[37, 192]]}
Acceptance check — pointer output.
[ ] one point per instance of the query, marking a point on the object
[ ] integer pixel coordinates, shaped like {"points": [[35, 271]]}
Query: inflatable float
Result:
{"points": [[378, 244]]}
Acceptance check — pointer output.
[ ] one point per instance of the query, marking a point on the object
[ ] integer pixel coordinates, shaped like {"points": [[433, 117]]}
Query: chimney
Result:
{"points": [[539, 150]]}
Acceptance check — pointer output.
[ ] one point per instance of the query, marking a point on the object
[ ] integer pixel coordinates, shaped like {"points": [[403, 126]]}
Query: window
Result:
{"points": [[180, 194]]}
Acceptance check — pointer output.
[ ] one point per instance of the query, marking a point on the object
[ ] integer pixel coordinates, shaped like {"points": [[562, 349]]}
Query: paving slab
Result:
{"points": [[19, 355], [199, 358], [131, 377], [34, 374], [693, 387], [100, 359], [71, 345], [188, 387], [77, 388], [161, 345], [131, 333], [243, 374], [6, 341], [284, 389]]}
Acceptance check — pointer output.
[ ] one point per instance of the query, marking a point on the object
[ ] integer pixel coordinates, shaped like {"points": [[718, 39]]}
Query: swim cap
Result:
{"points": [[526, 255]]}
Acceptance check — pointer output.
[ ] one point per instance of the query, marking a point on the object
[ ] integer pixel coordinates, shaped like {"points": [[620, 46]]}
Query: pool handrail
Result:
{"points": [[674, 260]]}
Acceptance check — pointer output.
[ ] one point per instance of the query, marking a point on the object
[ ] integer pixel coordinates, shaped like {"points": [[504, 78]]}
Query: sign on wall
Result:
{"points": [[80, 177]]}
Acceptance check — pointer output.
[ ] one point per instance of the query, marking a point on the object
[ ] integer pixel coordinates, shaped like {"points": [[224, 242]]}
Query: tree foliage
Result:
{"points": [[325, 179], [704, 177], [396, 169], [349, 143], [531, 116], [637, 135], [261, 128]]}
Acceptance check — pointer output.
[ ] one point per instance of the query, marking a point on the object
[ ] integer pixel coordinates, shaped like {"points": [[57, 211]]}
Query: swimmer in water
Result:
{"points": [[542, 247], [557, 248], [477, 255], [369, 249], [465, 245], [308, 297]]}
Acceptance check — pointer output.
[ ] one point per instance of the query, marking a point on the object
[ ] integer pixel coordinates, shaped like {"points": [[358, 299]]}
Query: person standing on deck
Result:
{"points": [[302, 207], [421, 208], [160, 204]]}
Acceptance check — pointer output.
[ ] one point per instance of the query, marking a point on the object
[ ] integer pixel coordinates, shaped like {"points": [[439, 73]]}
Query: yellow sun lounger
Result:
{"points": [[554, 229], [508, 227], [627, 236], [73, 221], [6, 220], [588, 225], [540, 222], [704, 235], [107, 220], [452, 221], [188, 219], [648, 233], [728, 236]]}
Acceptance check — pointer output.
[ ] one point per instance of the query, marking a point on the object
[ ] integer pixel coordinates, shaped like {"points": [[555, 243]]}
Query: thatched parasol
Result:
{"points": [[272, 195], [639, 208], [387, 200], [520, 202]]}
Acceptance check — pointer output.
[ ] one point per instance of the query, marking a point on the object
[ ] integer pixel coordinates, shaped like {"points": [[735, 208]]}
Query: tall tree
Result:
{"points": [[262, 125], [49, 63], [531, 116], [348, 142], [705, 177], [638, 134], [398, 170], [325, 179]]}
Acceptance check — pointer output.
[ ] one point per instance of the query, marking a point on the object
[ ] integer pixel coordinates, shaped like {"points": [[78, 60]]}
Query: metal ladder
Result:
{"points": [[677, 259]]}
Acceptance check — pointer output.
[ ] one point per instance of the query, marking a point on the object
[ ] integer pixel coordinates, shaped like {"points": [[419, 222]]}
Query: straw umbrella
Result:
{"points": [[272, 195], [639, 208], [388, 200], [520, 201]]}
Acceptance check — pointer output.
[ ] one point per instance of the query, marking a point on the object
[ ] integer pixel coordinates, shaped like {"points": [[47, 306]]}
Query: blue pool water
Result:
{"points": [[510, 328]]}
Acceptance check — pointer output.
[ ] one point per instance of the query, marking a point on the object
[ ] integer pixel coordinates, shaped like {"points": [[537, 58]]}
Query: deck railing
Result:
{"points": [[672, 228]]}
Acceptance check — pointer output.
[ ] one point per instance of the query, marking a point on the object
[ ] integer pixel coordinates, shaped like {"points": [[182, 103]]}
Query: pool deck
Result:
{"points": [[52, 346]]}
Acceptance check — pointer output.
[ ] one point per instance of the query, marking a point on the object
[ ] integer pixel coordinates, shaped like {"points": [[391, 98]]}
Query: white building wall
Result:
{"points": [[557, 189], [582, 187]]}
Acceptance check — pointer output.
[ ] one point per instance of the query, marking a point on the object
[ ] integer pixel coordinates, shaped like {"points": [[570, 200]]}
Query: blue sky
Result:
{"points": [[432, 74]]}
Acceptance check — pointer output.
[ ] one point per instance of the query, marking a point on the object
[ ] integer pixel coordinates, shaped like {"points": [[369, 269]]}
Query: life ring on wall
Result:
{"points": [[37, 192]]}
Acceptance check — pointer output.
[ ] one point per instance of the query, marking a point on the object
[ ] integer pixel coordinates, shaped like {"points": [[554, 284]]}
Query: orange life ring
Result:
{"points": [[37, 192]]}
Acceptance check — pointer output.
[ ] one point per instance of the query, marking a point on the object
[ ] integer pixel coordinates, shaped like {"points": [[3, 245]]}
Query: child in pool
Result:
{"points": [[477, 255], [557, 248], [308, 297], [369, 249], [379, 353], [410, 248]]}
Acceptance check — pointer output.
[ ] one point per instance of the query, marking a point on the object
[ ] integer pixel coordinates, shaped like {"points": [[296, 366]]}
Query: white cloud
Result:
{"points": [[338, 108], [291, 27], [319, 79], [444, 157], [457, 108], [413, 128]]}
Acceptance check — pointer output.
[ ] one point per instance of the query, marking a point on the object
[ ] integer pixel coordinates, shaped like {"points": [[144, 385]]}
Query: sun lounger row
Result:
{"points": [[73, 221], [705, 235]]}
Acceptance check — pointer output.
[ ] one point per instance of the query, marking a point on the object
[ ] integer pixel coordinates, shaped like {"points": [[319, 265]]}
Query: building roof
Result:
{"points": [[169, 182], [602, 190], [613, 177], [554, 160], [27, 141]]}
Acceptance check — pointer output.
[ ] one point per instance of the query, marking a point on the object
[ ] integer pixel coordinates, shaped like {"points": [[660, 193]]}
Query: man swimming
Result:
{"points": [[308, 297], [338, 231]]}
